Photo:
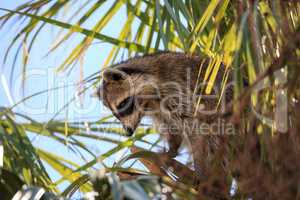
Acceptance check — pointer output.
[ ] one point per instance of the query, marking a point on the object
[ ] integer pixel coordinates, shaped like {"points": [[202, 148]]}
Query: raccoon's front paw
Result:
{"points": [[172, 153]]}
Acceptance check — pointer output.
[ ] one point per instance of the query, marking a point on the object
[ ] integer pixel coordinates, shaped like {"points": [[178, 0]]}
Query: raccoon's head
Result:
{"points": [[126, 91], [151, 85]]}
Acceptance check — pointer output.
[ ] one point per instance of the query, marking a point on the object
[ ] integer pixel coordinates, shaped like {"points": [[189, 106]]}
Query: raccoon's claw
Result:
{"points": [[171, 153]]}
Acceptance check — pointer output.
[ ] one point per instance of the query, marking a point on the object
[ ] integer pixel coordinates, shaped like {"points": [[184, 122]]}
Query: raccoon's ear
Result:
{"points": [[113, 75], [118, 74]]}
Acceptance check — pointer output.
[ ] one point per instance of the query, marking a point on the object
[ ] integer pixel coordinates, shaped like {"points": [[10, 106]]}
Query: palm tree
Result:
{"points": [[258, 40]]}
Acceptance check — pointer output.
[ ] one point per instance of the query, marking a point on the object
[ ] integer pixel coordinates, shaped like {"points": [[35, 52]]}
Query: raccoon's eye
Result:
{"points": [[126, 107]]}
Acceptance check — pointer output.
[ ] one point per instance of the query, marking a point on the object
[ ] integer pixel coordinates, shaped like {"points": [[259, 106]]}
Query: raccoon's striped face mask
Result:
{"points": [[118, 93]]}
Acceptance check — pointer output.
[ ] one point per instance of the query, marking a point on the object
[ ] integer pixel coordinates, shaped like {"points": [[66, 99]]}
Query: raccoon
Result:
{"points": [[168, 87]]}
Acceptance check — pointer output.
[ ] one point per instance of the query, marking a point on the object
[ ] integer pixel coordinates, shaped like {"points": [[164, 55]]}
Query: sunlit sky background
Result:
{"points": [[42, 76]]}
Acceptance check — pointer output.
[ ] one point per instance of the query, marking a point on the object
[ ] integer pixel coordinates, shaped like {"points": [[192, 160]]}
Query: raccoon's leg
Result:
{"points": [[211, 180], [171, 136]]}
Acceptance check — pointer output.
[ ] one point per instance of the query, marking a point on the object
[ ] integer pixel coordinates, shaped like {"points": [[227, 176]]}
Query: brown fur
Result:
{"points": [[151, 75]]}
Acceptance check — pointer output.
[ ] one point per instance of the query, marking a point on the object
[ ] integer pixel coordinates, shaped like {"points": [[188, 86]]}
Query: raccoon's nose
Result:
{"points": [[129, 131]]}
